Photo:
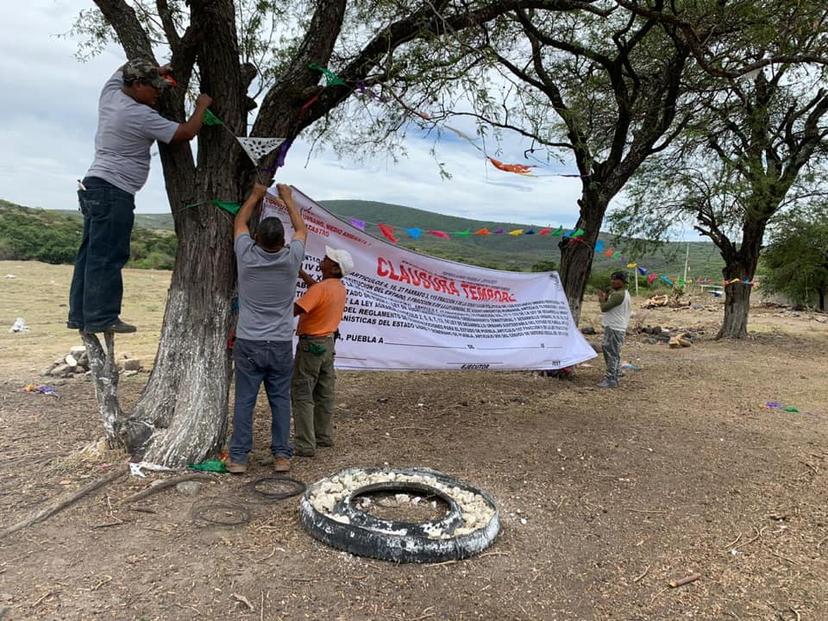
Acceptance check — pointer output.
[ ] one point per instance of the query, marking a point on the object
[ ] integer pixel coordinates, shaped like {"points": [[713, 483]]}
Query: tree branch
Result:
{"points": [[130, 33]]}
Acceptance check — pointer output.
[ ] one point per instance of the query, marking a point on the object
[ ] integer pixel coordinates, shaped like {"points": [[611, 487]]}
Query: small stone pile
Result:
{"points": [[76, 362]]}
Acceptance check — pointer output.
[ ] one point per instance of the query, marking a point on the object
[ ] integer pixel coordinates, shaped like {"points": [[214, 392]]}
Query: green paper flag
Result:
{"points": [[557, 232], [465, 233], [578, 233], [210, 465], [228, 206], [791, 408], [331, 79], [211, 119]]}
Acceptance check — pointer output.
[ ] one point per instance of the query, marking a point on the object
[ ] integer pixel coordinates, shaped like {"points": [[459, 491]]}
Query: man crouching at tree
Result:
{"points": [[320, 311], [615, 308], [267, 272]]}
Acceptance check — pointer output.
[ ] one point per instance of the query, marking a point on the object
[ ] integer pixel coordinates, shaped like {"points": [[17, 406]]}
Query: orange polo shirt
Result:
{"points": [[324, 305]]}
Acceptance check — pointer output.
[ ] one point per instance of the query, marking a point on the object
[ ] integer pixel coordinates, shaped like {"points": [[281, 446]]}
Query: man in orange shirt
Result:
{"points": [[312, 390]]}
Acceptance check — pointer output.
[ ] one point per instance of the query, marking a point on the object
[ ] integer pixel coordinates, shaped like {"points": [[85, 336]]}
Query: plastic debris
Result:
{"points": [[41, 389], [629, 366], [209, 465], [776, 405], [136, 469], [19, 325]]}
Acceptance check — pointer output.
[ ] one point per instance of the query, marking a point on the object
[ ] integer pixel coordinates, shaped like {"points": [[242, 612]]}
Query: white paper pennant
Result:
{"points": [[257, 148]]}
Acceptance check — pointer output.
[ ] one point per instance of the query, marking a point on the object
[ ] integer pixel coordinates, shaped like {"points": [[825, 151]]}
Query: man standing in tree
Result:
{"points": [[320, 311], [263, 352], [615, 307], [128, 124]]}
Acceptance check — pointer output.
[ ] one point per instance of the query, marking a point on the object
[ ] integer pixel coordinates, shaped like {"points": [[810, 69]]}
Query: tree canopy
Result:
{"points": [[795, 261]]}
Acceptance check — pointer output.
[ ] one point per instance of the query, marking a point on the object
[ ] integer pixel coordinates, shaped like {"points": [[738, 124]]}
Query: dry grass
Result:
{"points": [[682, 470], [40, 294]]}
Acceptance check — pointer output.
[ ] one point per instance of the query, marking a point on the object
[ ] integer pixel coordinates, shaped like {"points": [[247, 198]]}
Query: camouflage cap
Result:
{"points": [[144, 71]]}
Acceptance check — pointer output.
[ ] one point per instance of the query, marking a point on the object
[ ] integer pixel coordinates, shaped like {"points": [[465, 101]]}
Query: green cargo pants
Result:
{"points": [[312, 394]]}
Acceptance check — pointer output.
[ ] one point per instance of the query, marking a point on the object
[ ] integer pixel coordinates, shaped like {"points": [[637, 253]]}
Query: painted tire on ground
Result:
{"points": [[328, 512]]}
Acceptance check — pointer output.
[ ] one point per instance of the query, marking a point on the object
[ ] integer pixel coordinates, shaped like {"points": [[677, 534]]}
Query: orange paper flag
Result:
{"points": [[519, 169], [483, 231]]}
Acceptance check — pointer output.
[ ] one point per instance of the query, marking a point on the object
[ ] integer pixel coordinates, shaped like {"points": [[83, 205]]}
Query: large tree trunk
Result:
{"points": [[737, 307], [181, 416], [576, 256], [741, 265]]}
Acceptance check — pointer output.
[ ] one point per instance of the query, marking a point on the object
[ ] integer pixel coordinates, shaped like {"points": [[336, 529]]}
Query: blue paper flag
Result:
{"points": [[599, 245], [414, 232]]}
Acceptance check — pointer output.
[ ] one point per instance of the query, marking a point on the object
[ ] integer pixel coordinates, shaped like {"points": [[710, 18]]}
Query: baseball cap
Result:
{"points": [[619, 276], [145, 71], [342, 258]]}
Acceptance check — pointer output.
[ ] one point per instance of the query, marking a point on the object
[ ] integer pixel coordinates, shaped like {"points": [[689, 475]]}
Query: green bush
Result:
{"points": [[36, 235]]}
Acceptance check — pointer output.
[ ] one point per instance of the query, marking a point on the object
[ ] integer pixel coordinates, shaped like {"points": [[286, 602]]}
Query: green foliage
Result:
{"points": [[54, 237], [599, 280], [34, 235], [544, 266], [795, 262]]}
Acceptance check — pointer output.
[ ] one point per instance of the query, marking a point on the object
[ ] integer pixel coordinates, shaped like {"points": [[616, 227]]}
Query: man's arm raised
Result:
{"points": [[187, 131], [300, 230], [243, 216]]}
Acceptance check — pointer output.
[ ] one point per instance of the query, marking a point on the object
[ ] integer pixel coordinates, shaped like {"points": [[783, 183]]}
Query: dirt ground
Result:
{"points": [[605, 496]]}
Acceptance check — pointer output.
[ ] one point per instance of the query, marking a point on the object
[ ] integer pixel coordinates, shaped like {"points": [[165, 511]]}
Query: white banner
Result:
{"points": [[410, 311]]}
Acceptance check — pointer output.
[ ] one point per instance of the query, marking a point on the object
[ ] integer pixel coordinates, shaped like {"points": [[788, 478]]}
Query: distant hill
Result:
{"points": [[54, 236], [514, 253], [154, 243]]}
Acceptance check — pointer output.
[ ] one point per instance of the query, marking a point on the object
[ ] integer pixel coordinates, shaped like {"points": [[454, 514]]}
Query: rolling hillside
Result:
{"points": [[514, 253], [153, 246]]}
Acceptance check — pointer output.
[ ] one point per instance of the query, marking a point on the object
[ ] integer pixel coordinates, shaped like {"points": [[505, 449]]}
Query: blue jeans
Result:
{"points": [[97, 288], [270, 362]]}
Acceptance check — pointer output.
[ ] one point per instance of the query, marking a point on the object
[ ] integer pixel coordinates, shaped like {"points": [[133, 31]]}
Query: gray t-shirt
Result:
{"points": [[267, 288], [126, 131]]}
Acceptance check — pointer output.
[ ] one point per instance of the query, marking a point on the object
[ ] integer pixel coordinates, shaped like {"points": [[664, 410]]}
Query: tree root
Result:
{"points": [[162, 485], [65, 501]]}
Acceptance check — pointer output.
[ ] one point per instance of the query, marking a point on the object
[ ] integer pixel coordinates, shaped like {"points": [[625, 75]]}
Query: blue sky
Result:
{"points": [[49, 104]]}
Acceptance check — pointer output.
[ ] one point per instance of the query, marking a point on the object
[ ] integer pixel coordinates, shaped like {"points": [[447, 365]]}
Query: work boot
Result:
{"points": [[607, 383], [119, 327], [234, 468], [281, 464]]}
